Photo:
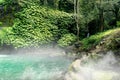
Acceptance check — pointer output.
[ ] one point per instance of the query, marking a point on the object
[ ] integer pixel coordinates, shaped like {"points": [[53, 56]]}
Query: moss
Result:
{"points": [[92, 41], [113, 42]]}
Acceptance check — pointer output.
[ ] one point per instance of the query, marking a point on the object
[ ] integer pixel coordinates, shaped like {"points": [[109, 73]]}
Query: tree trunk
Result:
{"points": [[116, 12], [78, 28], [76, 13], [101, 20], [101, 16]]}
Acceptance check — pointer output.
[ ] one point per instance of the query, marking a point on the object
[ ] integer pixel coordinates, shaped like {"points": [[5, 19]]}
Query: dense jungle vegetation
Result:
{"points": [[32, 23]]}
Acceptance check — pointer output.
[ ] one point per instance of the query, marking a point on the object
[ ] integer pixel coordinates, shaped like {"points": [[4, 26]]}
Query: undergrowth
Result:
{"points": [[94, 40]]}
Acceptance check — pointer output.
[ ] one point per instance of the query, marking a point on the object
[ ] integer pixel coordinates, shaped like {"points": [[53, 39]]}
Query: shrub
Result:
{"points": [[4, 38], [66, 40], [94, 40], [118, 23], [38, 25], [0, 23]]}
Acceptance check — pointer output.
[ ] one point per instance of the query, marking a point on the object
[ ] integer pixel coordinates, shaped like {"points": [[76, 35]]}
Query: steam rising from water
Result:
{"points": [[34, 64], [105, 68], [50, 63]]}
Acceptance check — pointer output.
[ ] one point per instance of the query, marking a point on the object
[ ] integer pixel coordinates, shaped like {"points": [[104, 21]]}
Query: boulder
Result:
{"points": [[76, 71]]}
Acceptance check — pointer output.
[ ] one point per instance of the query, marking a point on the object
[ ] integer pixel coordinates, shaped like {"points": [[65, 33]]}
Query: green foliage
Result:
{"points": [[28, 3], [118, 23], [92, 41], [34, 25], [4, 39], [66, 40], [65, 25], [1, 1], [7, 20], [88, 10], [0, 23], [34, 34], [37, 25], [113, 42], [66, 5], [9, 7], [106, 12], [2, 36]]}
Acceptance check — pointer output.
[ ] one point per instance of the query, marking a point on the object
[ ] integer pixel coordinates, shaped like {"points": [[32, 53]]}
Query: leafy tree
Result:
{"points": [[84, 12], [77, 18], [97, 13], [105, 8], [9, 6], [66, 5], [115, 9]]}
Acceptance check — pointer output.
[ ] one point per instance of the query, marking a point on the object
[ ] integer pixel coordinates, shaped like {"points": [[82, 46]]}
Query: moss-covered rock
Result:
{"points": [[104, 41], [113, 41]]}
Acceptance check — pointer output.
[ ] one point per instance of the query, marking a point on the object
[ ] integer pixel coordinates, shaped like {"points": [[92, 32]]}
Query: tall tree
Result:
{"points": [[105, 7], [77, 18], [66, 5], [88, 12], [101, 16], [115, 10]]}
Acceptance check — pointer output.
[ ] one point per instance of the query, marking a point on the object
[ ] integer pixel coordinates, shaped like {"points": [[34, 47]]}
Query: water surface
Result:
{"points": [[32, 67]]}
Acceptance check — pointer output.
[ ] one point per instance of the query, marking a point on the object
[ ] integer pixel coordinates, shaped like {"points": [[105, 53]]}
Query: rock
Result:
{"points": [[77, 71], [72, 70], [75, 66]]}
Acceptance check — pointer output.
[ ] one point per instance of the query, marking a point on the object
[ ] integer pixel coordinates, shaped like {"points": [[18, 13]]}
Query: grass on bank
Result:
{"points": [[93, 40]]}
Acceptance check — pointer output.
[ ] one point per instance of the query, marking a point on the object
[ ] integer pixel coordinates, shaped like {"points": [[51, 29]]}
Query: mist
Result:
{"points": [[44, 63], [105, 67]]}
